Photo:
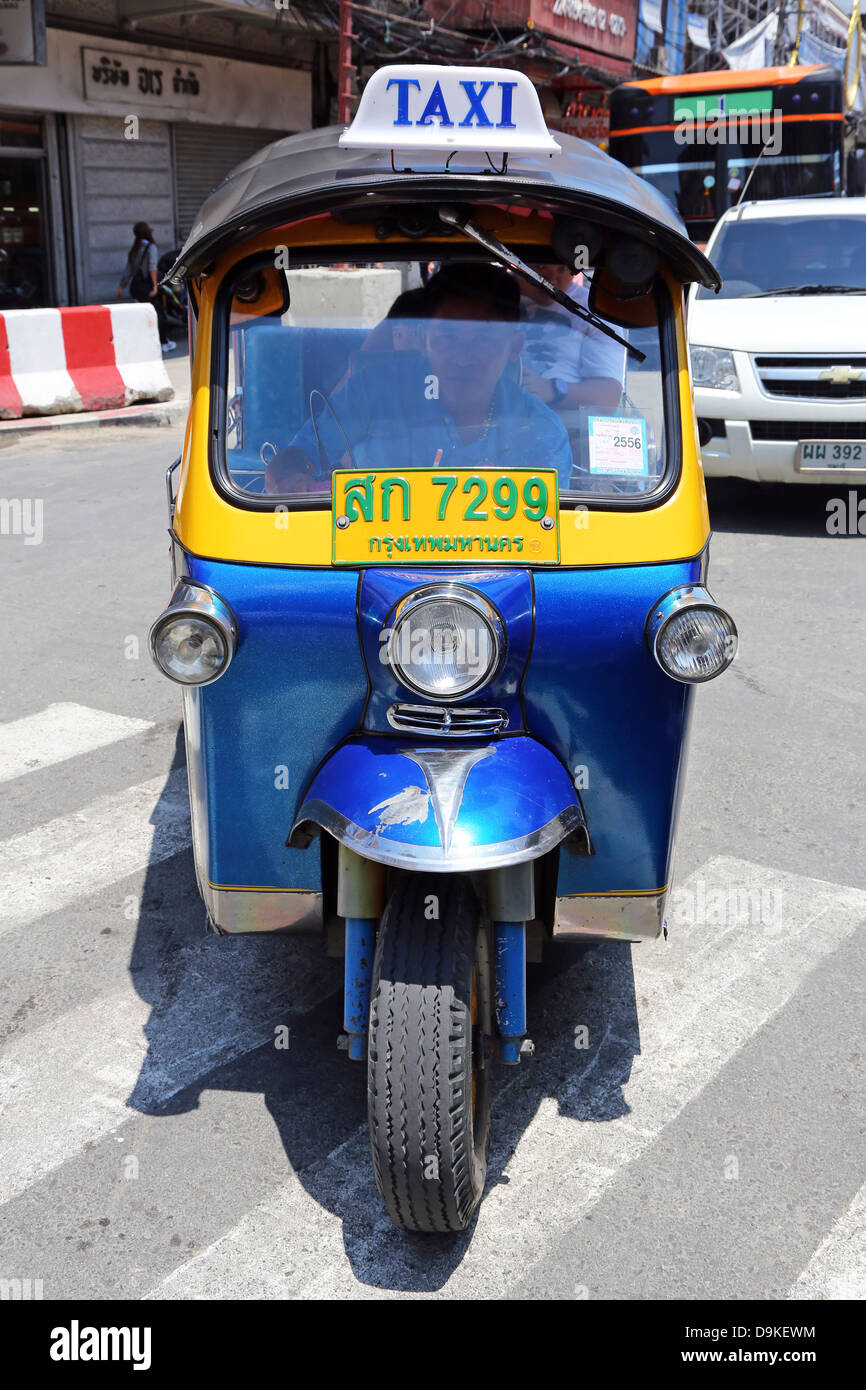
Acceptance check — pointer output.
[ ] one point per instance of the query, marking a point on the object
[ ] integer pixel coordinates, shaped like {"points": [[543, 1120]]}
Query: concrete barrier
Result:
{"points": [[99, 357]]}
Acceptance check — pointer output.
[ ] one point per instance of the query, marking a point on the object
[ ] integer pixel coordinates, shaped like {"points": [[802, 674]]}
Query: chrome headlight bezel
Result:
{"points": [[199, 601], [678, 601], [410, 605], [716, 371]]}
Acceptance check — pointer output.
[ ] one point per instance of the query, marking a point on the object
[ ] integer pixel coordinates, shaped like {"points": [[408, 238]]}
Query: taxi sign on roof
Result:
{"points": [[428, 107]]}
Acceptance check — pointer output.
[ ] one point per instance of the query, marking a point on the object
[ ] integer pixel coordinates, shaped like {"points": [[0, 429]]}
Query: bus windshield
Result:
{"points": [[769, 133], [702, 182]]}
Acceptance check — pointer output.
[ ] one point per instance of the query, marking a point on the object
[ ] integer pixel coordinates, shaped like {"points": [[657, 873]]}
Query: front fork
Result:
{"points": [[511, 904]]}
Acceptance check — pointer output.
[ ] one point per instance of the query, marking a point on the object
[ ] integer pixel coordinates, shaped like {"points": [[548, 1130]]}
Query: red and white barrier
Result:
{"points": [[99, 357]]}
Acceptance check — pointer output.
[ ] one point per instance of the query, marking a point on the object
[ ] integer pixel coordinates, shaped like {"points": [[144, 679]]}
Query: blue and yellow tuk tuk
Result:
{"points": [[440, 543]]}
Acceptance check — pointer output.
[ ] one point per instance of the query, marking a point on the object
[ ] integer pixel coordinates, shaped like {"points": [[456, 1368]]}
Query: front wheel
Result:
{"points": [[428, 1078]]}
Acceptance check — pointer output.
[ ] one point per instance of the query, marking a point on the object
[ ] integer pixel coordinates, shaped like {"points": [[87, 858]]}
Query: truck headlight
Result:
{"points": [[714, 367], [194, 640], [690, 636], [444, 641]]}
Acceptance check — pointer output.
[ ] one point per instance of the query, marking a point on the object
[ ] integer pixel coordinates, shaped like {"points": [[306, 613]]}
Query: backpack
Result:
{"points": [[140, 285]]}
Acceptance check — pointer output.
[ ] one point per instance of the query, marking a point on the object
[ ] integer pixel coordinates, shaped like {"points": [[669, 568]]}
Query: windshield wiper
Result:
{"points": [[452, 217], [807, 289]]}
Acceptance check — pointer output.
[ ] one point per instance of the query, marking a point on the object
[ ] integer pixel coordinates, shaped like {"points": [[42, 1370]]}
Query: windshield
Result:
{"points": [[403, 366], [759, 255]]}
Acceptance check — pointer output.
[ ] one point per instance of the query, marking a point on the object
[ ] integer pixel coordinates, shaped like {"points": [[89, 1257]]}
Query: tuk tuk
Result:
{"points": [[439, 545]]}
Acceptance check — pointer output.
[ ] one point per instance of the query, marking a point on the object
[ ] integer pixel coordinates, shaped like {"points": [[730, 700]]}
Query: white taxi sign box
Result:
{"points": [[429, 107]]}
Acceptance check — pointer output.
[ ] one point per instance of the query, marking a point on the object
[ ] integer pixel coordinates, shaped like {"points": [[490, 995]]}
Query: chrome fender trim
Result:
{"points": [[437, 860]]}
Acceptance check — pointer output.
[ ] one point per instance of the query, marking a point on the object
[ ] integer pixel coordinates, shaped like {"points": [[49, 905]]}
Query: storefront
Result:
{"points": [[25, 276], [104, 136]]}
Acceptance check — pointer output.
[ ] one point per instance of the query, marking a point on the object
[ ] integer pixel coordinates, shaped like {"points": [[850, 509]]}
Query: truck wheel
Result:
{"points": [[428, 1077]]}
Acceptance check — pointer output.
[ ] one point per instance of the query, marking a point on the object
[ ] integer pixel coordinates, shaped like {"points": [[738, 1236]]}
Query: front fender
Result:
{"points": [[446, 809]]}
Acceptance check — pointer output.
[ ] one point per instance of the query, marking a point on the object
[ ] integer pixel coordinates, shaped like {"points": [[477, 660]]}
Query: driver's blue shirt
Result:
{"points": [[390, 417]]}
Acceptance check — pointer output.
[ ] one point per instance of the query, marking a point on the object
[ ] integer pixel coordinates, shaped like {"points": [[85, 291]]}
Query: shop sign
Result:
{"points": [[588, 120], [22, 32], [142, 81], [609, 28]]}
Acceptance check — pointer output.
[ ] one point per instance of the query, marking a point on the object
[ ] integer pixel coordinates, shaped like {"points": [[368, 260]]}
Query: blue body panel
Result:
{"points": [[596, 696], [594, 704], [295, 689]]}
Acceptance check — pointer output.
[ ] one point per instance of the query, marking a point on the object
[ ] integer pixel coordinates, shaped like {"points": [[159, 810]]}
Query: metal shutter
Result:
{"points": [[118, 182], [203, 156]]}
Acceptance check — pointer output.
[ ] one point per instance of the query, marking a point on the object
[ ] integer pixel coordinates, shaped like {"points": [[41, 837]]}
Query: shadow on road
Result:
{"points": [[204, 990]]}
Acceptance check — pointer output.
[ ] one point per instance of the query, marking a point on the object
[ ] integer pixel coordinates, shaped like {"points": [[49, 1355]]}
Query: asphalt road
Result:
{"points": [[709, 1140]]}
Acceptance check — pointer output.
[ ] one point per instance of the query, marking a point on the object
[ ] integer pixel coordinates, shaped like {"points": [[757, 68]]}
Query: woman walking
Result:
{"points": [[140, 276]]}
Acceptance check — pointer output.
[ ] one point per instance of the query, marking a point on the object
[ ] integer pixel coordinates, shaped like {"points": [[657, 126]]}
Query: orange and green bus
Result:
{"points": [[697, 137]]}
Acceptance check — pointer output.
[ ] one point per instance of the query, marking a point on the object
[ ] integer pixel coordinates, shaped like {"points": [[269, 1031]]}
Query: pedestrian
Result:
{"points": [[141, 277]]}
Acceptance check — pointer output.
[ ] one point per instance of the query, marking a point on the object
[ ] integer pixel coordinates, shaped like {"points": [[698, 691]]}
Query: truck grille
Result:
{"points": [[841, 377], [807, 429], [446, 721]]}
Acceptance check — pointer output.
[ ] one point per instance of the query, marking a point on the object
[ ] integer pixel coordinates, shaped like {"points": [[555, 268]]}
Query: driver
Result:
{"points": [[457, 406], [567, 362]]}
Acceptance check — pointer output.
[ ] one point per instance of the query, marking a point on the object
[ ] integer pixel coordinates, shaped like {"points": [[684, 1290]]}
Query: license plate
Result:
{"points": [[429, 516], [818, 455]]}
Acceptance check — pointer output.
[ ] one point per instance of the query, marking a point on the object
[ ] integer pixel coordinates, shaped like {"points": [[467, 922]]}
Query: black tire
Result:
{"points": [[429, 1124]]}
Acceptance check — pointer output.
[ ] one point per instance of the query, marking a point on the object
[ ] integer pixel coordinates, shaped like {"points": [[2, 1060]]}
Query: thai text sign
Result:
{"points": [[607, 28], [430, 515], [155, 82]]}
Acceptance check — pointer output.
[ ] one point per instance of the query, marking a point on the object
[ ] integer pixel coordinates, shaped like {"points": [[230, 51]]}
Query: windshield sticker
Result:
{"points": [[617, 446]]}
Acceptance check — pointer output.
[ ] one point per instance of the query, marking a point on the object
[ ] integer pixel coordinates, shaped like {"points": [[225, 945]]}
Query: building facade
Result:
{"points": [[115, 128]]}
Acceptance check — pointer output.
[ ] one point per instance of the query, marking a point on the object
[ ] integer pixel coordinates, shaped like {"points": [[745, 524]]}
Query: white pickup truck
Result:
{"points": [[778, 358]]}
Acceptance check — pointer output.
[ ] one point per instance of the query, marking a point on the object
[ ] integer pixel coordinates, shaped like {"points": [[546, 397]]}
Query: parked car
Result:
{"points": [[779, 356]]}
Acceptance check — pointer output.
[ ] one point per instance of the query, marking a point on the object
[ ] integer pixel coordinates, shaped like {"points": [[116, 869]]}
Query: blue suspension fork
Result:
{"points": [[360, 899], [511, 902]]}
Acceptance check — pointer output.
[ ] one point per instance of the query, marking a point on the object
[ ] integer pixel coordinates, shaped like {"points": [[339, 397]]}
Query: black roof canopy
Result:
{"points": [[309, 173]]}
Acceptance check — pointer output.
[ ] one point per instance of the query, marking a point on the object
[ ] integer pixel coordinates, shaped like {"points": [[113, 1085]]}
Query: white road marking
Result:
{"points": [[85, 1074], [700, 998], [74, 856], [57, 733], [837, 1270]]}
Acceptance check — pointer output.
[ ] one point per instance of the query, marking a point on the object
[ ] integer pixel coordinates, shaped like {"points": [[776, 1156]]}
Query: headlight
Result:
{"points": [[714, 367], [690, 636], [193, 641], [445, 641]]}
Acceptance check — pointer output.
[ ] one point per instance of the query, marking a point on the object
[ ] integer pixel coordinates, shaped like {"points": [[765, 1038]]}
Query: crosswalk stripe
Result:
{"points": [[59, 732], [837, 1270], [117, 1057], [702, 996], [74, 856]]}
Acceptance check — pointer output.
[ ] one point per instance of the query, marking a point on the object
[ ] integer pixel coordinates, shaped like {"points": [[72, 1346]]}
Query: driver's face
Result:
{"points": [[468, 350]]}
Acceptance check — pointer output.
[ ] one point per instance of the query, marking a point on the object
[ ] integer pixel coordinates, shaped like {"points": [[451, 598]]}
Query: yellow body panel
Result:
{"points": [[207, 525]]}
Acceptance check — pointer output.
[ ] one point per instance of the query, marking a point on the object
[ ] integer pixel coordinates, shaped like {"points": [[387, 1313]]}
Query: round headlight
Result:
{"points": [[444, 644], [194, 640], [696, 643], [189, 649]]}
